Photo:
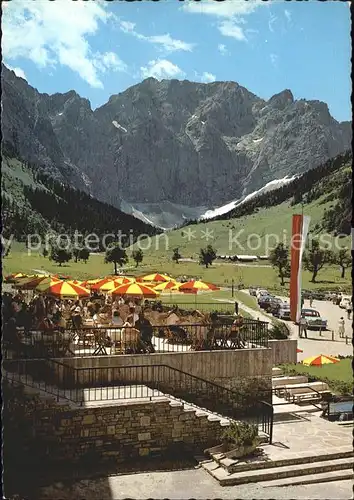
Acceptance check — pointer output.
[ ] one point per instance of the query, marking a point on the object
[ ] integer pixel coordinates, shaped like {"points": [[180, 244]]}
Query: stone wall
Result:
{"points": [[63, 432], [283, 351]]}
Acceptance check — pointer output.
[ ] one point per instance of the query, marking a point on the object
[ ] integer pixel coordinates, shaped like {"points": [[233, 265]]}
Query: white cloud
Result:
{"points": [[233, 30], [161, 69], [287, 15], [231, 14], [51, 33], [274, 60], [166, 42], [272, 20], [222, 49], [227, 8], [109, 61], [127, 26], [18, 71], [208, 77]]}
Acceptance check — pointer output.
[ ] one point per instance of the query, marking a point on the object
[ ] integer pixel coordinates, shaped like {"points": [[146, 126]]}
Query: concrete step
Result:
{"points": [[273, 473], [232, 466], [325, 477]]}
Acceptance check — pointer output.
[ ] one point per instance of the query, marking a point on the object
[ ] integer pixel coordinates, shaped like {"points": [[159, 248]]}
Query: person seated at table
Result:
{"points": [[116, 319], [59, 321], [132, 315], [146, 331], [24, 318], [77, 318], [121, 301], [45, 324], [11, 335], [236, 329]]}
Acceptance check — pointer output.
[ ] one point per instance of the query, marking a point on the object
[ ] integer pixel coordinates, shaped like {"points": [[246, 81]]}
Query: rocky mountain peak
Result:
{"points": [[282, 99], [181, 142]]}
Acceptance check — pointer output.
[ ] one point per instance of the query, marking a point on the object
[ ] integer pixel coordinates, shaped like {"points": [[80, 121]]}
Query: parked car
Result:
{"points": [[253, 290], [261, 291], [283, 311], [345, 302], [314, 319], [273, 305], [264, 300]]}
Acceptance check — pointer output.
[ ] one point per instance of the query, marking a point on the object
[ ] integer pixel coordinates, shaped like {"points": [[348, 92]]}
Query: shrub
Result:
{"points": [[240, 434], [279, 331]]}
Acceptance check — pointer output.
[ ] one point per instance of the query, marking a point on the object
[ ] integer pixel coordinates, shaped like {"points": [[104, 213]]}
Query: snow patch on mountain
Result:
{"points": [[118, 126], [270, 186]]}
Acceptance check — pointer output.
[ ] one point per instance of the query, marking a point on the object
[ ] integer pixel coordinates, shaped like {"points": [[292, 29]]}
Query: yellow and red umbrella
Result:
{"points": [[321, 359], [89, 283], [31, 283], [167, 285], [111, 285], [64, 289], [195, 286], [155, 278], [100, 283], [135, 290], [15, 276]]}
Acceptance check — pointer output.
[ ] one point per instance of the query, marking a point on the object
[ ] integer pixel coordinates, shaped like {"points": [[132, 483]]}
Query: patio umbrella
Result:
{"points": [[15, 276], [64, 289], [135, 290], [113, 283], [321, 359], [31, 283], [89, 283], [156, 278], [195, 286], [167, 285]]}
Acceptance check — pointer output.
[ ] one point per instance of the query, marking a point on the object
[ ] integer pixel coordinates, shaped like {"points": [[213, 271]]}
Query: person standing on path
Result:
{"points": [[236, 308], [303, 327], [341, 328], [311, 300], [349, 309]]}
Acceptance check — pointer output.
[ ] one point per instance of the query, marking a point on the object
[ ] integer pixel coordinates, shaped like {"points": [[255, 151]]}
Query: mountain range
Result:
{"points": [[166, 151]]}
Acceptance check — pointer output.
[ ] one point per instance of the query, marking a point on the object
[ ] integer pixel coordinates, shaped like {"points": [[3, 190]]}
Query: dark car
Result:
{"points": [[264, 300], [273, 306]]}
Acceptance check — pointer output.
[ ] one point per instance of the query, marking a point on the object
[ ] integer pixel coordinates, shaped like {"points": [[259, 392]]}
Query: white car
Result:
{"points": [[261, 292], [345, 302]]}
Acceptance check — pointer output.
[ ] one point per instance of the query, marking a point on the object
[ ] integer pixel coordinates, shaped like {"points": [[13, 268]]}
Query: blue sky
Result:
{"points": [[100, 48]]}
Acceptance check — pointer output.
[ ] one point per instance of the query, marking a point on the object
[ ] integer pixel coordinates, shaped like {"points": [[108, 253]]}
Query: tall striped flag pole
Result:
{"points": [[300, 227]]}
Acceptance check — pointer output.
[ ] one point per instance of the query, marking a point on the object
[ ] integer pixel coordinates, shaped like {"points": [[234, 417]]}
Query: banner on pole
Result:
{"points": [[300, 227]]}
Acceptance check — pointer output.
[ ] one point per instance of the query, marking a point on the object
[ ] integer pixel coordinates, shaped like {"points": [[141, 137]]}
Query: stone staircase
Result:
{"points": [[297, 470]]}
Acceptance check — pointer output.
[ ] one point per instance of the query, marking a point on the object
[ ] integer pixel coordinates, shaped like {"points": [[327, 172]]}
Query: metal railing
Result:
{"points": [[205, 307], [85, 386], [51, 376], [92, 341]]}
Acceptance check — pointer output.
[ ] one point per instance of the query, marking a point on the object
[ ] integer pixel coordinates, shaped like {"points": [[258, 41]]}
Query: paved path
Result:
{"points": [[186, 484], [314, 344]]}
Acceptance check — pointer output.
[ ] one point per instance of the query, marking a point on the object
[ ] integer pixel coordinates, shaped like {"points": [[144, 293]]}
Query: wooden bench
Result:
{"points": [[309, 395], [296, 392], [280, 383]]}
